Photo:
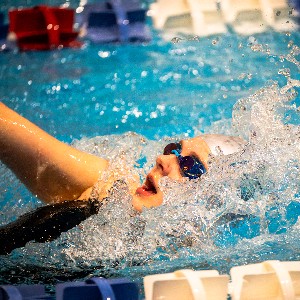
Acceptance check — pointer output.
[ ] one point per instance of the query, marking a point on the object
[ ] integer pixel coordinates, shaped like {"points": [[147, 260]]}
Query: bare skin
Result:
{"points": [[150, 195], [50, 169], [55, 171], [201, 147]]}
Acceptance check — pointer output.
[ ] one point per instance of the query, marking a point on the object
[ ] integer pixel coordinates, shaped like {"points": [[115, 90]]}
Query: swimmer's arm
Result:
{"points": [[52, 170]]}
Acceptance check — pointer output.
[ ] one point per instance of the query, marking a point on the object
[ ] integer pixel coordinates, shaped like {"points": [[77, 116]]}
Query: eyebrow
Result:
{"points": [[194, 155]]}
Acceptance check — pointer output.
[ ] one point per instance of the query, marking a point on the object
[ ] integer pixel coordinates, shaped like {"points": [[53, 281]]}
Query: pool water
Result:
{"points": [[158, 89], [134, 98]]}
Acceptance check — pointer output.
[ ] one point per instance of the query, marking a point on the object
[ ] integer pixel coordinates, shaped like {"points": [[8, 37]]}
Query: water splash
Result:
{"points": [[245, 209], [176, 40], [243, 204]]}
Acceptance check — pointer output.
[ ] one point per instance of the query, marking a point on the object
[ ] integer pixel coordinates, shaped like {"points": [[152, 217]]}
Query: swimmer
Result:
{"points": [[64, 177]]}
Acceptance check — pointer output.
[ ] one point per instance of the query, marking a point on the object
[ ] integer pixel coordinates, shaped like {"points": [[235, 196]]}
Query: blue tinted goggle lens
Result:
{"points": [[190, 166]]}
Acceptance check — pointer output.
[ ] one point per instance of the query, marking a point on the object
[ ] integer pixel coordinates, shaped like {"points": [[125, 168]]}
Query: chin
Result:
{"points": [[147, 201]]}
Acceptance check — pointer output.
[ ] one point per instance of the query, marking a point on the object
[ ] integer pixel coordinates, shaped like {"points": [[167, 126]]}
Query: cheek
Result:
{"points": [[176, 173]]}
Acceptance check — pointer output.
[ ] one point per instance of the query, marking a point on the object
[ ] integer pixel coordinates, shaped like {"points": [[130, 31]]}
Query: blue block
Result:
{"points": [[136, 16], [3, 27], [3, 31], [24, 292], [295, 4], [115, 21], [102, 19], [98, 289]]}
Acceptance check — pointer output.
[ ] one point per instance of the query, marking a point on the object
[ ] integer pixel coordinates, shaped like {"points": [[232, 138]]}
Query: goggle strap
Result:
{"points": [[176, 153]]}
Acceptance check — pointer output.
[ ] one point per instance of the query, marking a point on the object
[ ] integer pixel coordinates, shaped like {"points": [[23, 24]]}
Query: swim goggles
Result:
{"points": [[190, 166]]}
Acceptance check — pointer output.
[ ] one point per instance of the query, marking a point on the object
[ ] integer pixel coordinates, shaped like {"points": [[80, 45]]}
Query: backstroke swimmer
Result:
{"points": [[61, 175]]}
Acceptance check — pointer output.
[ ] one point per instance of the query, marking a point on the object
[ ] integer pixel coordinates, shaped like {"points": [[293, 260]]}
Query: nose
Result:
{"points": [[166, 163]]}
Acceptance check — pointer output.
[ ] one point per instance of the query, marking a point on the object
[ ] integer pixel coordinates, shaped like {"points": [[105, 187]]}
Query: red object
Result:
{"points": [[43, 28]]}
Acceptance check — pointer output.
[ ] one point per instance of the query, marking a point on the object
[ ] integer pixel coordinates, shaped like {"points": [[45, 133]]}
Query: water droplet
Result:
{"points": [[176, 40], [290, 44], [252, 39], [215, 41], [284, 72], [195, 38], [257, 48], [242, 76]]}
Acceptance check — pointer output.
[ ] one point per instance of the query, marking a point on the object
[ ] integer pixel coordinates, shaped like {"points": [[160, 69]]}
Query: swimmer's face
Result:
{"points": [[150, 195]]}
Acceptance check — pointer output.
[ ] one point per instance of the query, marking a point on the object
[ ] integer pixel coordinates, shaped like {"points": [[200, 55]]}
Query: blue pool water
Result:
{"points": [[158, 91]]}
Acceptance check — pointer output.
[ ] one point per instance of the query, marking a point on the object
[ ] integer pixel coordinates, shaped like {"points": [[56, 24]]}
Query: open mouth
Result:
{"points": [[148, 189]]}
